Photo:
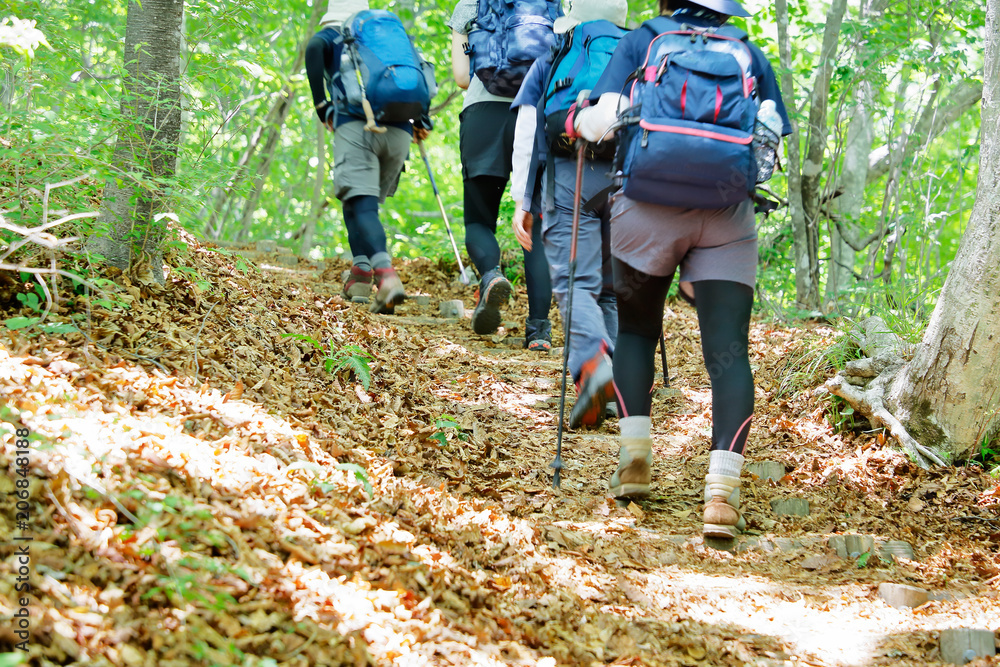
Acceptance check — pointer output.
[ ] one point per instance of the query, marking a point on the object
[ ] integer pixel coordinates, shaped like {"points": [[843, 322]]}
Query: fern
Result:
{"points": [[351, 358]]}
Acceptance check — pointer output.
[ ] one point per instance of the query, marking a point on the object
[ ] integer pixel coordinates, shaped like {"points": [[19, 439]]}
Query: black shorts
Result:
{"points": [[486, 139]]}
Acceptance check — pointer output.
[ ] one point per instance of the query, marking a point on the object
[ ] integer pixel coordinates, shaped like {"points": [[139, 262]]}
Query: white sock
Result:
{"points": [[723, 462], [635, 427]]}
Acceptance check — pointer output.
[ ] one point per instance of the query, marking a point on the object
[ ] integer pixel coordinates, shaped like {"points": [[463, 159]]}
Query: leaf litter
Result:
{"points": [[204, 492]]}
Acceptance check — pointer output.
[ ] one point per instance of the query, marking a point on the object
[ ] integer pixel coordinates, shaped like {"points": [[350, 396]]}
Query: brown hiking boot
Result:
{"points": [[722, 516], [357, 284], [390, 291], [634, 474]]}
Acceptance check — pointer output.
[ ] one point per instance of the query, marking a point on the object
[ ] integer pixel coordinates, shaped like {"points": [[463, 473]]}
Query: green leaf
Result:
{"points": [[12, 659], [359, 473], [15, 323], [305, 339], [58, 328], [358, 366]]}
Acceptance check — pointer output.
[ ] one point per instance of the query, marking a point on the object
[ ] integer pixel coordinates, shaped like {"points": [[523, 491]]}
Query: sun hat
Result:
{"points": [[727, 7], [581, 11], [339, 11]]}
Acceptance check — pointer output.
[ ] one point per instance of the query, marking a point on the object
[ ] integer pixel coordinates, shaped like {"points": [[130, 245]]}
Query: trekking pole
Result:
{"points": [[663, 359], [557, 464], [444, 216]]}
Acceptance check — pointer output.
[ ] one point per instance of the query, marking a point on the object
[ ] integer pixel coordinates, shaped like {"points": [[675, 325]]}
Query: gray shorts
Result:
{"points": [[367, 163], [713, 244]]}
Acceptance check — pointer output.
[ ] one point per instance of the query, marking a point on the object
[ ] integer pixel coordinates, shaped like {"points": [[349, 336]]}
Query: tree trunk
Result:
{"points": [[264, 166], [129, 234], [309, 233], [948, 395], [807, 237], [853, 177], [267, 135], [845, 231]]}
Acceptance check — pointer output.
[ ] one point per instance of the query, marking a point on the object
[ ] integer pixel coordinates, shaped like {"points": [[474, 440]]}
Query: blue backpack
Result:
{"points": [[380, 63], [506, 37], [578, 63], [688, 131]]}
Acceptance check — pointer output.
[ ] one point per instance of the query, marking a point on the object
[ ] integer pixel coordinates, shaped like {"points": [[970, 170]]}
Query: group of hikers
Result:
{"points": [[629, 154]]}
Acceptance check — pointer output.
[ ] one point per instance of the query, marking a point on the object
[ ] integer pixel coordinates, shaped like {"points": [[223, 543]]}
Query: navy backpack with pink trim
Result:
{"points": [[687, 135]]}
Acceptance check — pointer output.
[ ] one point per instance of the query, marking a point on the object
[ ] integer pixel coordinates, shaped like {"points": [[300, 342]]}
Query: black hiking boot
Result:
{"points": [[538, 335]]}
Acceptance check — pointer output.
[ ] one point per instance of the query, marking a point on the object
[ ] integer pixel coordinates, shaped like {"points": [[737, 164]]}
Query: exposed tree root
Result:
{"points": [[864, 384]]}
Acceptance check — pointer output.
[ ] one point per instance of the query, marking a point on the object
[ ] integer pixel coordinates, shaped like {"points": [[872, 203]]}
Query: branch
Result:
{"points": [[447, 101]]}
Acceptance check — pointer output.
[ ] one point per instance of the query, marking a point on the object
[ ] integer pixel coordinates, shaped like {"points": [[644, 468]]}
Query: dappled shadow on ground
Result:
{"points": [[205, 492]]}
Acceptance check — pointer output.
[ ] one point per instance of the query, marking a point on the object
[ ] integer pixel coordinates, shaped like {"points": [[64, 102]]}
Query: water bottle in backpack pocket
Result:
{"points": [[689, 128], [766, 139], [506, 37], [380, 63]]}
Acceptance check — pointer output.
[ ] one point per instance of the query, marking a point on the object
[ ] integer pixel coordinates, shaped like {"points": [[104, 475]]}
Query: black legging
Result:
{"points": [[364, 230], [482, 207], [724, 319]]}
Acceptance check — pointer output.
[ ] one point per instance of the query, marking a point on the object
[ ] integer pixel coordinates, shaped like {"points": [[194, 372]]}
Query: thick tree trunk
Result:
{"points": [[128, 234], [946, 398], [948, 395]]}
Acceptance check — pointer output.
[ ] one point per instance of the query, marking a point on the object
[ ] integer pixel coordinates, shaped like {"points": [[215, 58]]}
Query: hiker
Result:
{"points": [[705, 226], [367, 163], [589, 33], [486, 141]]}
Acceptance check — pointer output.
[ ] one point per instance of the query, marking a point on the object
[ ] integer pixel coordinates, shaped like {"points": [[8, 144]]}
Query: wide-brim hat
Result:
{"points": [[582, 11], [727, 7], [338, 11]]}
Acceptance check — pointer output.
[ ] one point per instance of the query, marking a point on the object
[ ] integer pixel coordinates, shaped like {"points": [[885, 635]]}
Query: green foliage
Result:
{"points": [[360, 474], [843, 417], [247, 163], [449, 429], [351, 358], [12, 659], [808, 368]]}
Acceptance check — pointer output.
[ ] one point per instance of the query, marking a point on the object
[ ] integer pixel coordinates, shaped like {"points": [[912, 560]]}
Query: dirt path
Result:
{"points": [[204, 492]]}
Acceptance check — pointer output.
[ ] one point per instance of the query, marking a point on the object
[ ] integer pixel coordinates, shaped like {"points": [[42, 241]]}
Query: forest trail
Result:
{"points": [[203, 491]]}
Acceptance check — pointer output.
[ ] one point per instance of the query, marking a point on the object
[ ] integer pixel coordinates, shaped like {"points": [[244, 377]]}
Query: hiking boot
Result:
{"points": [[635, 462], [390, 292], [722, 516], [494, 291], [538, 335], [357, 284], [595, 388]]}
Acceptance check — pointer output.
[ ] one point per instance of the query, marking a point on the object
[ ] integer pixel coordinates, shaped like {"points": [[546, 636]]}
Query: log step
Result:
{"points": [[962, 645], [767, 470]]}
